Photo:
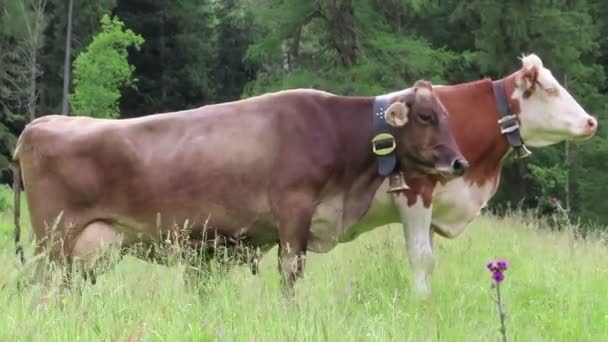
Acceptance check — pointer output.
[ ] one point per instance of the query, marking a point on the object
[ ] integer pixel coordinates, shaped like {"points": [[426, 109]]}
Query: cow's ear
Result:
{"points": [[396, 114], [526, 80]]}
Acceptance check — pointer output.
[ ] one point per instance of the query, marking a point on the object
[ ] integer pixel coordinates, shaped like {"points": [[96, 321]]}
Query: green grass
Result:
{"points": [[556, 289]]}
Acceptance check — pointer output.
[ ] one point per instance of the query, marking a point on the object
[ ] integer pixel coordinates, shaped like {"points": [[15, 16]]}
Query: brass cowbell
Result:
{"points": [[396, 182]]}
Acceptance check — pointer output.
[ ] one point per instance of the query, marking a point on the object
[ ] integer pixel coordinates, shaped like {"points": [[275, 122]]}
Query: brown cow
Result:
{"points": [[270, 169]]}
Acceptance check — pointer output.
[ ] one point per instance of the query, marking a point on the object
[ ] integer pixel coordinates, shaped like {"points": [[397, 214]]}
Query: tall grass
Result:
{"points": [[556, 290]]}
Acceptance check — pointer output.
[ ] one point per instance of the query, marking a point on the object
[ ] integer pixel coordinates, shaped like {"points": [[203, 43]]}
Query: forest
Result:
{"points": [[131, 58]]}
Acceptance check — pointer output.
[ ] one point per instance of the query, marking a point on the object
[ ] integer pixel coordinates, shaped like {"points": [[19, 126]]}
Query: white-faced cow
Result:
{"points": [[488, 119], [297, 167]]}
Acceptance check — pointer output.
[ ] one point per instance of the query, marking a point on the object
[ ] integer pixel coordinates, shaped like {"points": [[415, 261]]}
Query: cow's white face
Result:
{"points": [[548, 113]]}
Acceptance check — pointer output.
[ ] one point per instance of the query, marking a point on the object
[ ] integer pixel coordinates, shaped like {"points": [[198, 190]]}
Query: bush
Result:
{"points": [[101, 70]]}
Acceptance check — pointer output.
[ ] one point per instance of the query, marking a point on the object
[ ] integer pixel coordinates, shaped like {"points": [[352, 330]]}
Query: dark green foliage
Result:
{"points": [[367, 55], [234, 34], [174, 66], [201, 52]]}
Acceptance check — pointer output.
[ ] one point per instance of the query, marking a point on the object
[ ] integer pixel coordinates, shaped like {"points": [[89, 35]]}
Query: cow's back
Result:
{"points": [[216, 162]]}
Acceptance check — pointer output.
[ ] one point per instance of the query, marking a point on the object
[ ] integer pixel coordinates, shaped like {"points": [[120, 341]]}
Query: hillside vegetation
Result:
{"points": [[132, 58]]}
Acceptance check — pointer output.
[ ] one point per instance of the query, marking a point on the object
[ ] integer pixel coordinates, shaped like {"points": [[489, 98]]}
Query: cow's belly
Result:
{"points": [[330, 225], [457, 203], [154, 217]]}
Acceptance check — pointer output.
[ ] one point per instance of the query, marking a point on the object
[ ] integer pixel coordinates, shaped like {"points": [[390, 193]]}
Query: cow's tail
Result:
{"points": [[17, 209]]}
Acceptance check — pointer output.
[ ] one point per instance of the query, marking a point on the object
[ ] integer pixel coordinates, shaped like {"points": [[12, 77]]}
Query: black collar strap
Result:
{"points": [[383, 143], [508, 122]]}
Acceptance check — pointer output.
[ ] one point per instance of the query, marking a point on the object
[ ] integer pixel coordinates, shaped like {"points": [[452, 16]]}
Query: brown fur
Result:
{"points": [[255, 168]]}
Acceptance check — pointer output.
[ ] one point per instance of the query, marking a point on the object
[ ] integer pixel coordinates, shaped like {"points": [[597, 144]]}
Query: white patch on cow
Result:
{"points": [[326, 226], [459, 202], [531, 61], [550, 114], [417, 230]]}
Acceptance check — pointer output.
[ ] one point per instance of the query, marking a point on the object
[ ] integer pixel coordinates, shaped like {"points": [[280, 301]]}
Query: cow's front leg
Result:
{"points": [[416, 219], [292, 260], [294, 228]]}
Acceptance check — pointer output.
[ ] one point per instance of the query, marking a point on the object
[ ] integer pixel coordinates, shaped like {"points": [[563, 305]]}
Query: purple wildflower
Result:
{"points": [[552, 200], [502, 265], [497, 268]]}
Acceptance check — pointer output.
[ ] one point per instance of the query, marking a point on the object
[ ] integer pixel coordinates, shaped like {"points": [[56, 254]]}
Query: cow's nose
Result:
{"points": [[459, 166], [591, 123]]}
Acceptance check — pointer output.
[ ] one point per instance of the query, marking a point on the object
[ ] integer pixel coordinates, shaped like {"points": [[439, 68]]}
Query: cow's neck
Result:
{"points": [[355, 178], [473, 119], [355, 117], [361, 179]]}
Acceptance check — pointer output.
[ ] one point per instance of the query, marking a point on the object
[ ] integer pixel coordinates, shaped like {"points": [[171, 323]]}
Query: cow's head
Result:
{"points": [[424, 141], [548, 113]]}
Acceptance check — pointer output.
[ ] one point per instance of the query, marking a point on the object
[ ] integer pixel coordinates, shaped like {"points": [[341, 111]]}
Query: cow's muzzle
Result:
{"points": [[459, 166], [456, 168]]}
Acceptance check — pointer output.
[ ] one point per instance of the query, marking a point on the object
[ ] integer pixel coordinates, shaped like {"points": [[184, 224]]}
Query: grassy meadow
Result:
{"points": [[556, 289]]}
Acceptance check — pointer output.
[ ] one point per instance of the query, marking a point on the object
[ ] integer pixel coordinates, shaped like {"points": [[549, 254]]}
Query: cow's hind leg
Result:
{"points": [[93, 248], [50, 258]]}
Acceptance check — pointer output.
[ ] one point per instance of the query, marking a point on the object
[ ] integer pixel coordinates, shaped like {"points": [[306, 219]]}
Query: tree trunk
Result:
{"points": [[34, 41], [162, 47], [65, 110], [567, 161], [33, 71], [341, 20]]}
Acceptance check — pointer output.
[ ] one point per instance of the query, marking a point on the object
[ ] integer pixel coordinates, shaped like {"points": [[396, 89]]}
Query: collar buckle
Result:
{"points": [[383, 144]]}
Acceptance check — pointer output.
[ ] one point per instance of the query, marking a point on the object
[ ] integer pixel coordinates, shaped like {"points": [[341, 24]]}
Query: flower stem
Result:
{"points": [[503, 329]]}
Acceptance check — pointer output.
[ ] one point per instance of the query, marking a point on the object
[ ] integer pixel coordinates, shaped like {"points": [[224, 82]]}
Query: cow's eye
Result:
{"points": [[552, 91], [426, 118]]}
